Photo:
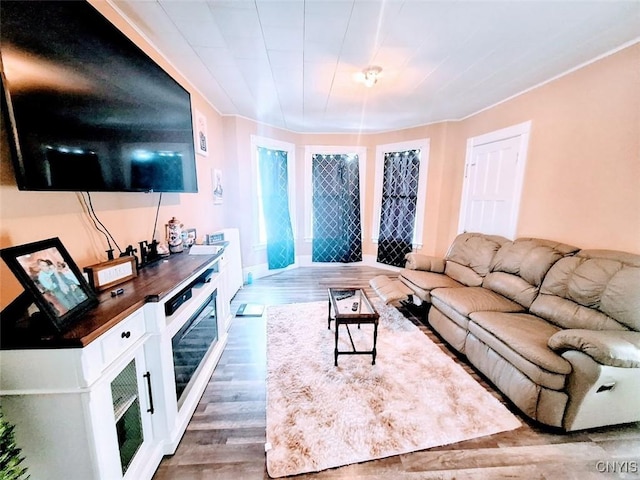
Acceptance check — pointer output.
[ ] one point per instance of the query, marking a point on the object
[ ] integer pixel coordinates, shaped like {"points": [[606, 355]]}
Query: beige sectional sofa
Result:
{"points": [[556, 329]]}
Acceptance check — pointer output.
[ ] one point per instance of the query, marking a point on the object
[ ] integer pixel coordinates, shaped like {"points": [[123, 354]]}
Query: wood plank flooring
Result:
{"points": [[225, 438]]}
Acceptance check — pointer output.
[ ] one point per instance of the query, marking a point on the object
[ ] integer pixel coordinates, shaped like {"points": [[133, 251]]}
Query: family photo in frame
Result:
{"points": [[48, 273]]}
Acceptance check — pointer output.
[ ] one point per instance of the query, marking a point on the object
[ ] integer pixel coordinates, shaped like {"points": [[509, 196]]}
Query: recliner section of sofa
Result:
{"points": [[514, 277], [556, 329], [466, 263], [594, 297]]}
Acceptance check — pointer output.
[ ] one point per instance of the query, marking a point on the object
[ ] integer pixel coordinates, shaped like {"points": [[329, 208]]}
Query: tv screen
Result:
{"points": [[88, 110]]}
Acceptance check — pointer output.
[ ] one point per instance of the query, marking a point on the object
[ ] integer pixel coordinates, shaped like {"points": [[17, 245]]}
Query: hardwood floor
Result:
{"points": [[225, 438]]}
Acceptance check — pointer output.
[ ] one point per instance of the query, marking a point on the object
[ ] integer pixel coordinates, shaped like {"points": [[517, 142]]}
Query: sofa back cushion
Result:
{"points": [[595, 290], [469, 257], [518, 268]]}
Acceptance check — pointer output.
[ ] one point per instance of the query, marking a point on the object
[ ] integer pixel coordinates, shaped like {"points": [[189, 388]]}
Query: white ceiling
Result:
{"points": [[291, 63]]}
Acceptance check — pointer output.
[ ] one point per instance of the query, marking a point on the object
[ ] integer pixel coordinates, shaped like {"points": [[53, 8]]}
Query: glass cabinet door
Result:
{"points": [[126, 410]]}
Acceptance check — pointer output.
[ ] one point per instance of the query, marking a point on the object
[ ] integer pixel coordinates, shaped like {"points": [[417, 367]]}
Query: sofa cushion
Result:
{"points": [[466, 300], [542, 404], [426, 281], [614, 348], [451, 331], [417, 261], [568, 314], [459, 319], [595, 289], [466, 276], [512, 287], [469, 257], [389, 290], [519, 267], [522, 339]]}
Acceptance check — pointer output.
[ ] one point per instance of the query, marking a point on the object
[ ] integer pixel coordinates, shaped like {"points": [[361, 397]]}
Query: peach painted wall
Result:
{"points": [[582, 180], [30, 216]]}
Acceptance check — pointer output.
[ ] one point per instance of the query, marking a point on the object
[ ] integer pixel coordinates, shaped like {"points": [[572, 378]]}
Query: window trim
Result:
{"points": [[271, 144], [311, 150], [423, 145]]}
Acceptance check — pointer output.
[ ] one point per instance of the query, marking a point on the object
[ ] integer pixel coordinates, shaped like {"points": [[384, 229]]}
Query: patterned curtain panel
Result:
{"points": [[399, 200], [275, 205], [337, 232]]}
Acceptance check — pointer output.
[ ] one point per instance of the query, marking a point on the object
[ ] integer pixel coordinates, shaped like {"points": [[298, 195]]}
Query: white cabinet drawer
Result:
{"points": [[122, 336]]}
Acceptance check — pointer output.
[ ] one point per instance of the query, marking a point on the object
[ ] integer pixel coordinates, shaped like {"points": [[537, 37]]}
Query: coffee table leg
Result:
{"points": [[335, 351], [375, 339]]}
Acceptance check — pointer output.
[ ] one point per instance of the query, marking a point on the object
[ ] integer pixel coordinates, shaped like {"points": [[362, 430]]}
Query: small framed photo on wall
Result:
{"points": [[202, 141], [217, 187]]}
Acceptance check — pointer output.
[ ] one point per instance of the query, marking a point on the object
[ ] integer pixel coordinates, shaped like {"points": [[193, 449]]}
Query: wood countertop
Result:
{"points": [[153, 284]]}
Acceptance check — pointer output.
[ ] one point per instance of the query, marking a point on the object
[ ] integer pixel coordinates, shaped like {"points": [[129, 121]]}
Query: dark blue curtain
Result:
{"points": [[399, 201], [274, 183], [337, 231]]}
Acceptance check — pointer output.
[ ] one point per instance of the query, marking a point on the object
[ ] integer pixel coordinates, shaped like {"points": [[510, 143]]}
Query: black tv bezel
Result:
{"points": [[11, 129], [17, 159]]}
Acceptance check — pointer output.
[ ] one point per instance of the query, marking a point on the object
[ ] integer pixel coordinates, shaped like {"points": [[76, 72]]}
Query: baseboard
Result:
{"points": [[262, 270], [367, 260]]}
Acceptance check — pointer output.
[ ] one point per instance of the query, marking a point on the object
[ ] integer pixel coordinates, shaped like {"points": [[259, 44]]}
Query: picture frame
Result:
{"points": [[202, 143], [218, 190], [52, 279]]}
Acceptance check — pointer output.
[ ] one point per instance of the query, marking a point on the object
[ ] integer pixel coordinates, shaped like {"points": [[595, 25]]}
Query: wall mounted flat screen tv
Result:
{"points": [[88, 110]]}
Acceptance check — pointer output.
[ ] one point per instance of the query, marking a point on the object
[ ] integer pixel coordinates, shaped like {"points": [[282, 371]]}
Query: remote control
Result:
{"points": [[355, 306]]}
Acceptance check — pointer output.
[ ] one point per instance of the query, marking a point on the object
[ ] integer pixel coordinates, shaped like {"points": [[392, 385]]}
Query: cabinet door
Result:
{"points": [[123, 405], [224, 304], [127, 412]]}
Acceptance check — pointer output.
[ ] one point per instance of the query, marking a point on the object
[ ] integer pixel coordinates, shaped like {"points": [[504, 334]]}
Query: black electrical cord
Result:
{"points": [[155, 224], [94, 218]]}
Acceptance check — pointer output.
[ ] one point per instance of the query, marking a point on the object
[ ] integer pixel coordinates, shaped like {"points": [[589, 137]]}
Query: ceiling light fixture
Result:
{"points": [[370, 75]]}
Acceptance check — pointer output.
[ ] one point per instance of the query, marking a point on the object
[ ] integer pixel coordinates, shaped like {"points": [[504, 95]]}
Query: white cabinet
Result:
{"points": [[62, 403], [112, 406], [231, 273], [233, 260], [206, 310], [122, 408]]}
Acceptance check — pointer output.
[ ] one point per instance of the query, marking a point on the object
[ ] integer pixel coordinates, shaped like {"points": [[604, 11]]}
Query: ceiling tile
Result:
{"points": [[195, 20], [291, 62]]}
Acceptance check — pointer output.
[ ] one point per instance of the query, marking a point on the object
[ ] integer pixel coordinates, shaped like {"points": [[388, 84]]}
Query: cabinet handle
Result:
{"points": [[148, 377], [126, 334]]}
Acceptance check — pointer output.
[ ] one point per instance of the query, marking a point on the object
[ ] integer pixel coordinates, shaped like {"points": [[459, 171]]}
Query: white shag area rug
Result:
{"points": [[320, 416]]}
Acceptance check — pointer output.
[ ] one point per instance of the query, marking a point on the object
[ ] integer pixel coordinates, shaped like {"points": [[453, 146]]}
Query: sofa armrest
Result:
{"points": [[418, 261], [616, 348]]}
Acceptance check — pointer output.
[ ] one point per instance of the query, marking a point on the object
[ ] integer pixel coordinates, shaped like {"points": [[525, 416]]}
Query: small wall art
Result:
{"points": [[202, 145], [217, 187]]}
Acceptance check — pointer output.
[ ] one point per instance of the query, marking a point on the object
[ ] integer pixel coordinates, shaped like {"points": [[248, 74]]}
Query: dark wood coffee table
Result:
{"points": [[351, 306]]}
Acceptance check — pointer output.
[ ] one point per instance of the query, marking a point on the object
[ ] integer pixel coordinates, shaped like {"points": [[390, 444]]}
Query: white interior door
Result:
{"points": [[492, 185]]}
